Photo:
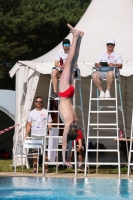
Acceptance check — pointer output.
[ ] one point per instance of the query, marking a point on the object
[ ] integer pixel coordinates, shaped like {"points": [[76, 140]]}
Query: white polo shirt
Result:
{"points": [[62, 54], [38, 119], [114, 58]]}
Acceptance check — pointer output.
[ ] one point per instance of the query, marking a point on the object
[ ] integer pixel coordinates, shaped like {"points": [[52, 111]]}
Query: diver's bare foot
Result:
{"points": [[81, 33], [73, 30]]}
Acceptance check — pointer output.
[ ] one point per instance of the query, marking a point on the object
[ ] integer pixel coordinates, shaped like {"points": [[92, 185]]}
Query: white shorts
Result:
{"points": [[60, 70], [103, 75]]}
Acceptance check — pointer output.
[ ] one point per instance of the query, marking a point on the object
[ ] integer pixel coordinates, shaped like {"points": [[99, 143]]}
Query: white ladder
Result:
{"points": [[130, 164], [98, 127], [59, 125]]}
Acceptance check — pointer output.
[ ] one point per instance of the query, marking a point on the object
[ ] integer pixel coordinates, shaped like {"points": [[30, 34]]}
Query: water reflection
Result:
{"points": [[65, 188], [123, 188]]}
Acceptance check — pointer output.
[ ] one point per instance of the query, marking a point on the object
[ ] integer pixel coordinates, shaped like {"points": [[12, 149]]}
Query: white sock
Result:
{"points": [[80, 163]]}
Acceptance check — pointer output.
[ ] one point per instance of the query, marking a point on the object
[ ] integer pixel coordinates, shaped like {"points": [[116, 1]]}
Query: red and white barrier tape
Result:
{"points": [[7, 129]]}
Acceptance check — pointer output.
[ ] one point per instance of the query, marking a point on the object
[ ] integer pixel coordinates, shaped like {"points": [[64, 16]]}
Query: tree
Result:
{"points": [[5, 81], [30, 28]]}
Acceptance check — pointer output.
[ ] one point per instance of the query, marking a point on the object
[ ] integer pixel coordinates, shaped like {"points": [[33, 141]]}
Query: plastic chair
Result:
{"points": [[23, 150]]}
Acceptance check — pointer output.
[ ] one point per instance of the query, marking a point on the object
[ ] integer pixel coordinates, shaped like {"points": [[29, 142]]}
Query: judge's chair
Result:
{"points": [[23, 151]]}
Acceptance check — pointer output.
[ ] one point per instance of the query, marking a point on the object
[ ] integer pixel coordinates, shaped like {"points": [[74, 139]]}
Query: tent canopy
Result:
{"points": [[103, 19]]}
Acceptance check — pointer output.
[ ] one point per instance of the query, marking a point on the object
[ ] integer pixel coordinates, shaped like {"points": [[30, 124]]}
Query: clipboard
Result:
{"points": [[104, 64]]}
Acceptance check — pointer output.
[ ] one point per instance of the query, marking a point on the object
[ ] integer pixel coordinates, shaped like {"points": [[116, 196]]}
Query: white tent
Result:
{"points": [[103, 19]]}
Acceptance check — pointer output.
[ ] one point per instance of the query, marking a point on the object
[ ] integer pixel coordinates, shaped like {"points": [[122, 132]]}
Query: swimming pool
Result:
{"points": [[65, 188]]}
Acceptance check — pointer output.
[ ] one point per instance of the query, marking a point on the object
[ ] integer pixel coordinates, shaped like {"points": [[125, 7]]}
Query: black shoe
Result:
{"points": [[54, 95]]}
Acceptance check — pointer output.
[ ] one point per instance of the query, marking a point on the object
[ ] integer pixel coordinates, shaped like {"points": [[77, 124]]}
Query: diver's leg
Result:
{"points": [[66, 74]]}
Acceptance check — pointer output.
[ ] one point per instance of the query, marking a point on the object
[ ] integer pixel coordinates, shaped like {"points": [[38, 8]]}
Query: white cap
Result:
{"points": [[110, 40]]}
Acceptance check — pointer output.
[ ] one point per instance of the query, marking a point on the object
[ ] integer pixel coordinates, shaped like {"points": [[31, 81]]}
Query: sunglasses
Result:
{"points": [[66, 45], [38, 101], [110, 44]]}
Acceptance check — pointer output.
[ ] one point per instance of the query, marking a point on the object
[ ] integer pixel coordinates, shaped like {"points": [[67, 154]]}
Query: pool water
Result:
{"points": [[65, 188]]}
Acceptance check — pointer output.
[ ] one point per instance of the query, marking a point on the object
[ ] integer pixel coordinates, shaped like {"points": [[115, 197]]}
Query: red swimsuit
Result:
{"points": [[67, 93]]}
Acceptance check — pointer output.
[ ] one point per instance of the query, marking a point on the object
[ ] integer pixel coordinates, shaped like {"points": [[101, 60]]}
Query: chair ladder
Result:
{"points": [[98, 127]]}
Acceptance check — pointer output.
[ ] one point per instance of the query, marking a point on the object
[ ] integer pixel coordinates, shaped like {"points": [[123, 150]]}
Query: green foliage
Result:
{"points": [[5, 81], [30, 28]]}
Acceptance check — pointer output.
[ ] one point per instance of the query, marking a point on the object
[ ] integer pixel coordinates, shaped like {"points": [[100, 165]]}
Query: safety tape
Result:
{"points": [[7, 129]]}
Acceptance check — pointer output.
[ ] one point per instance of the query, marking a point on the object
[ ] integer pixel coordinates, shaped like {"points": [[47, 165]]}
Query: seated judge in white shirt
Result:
{"points": [[60, 60], [37, 124], [113, 59]]}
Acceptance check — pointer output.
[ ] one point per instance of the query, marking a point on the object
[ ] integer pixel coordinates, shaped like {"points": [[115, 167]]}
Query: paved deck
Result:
{"points": [[63, 175]]}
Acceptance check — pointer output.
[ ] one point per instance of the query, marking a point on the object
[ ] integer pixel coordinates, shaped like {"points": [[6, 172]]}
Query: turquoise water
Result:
{"points": [[65, 188]]}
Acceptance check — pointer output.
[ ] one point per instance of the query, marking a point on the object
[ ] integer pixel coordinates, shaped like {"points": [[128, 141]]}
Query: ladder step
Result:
{"points": [[100, 137], [105, 128], [56, 150], [56, 163], [103, 99], [51, 136], [122, 139], [101, 163], [102, 124], [103, 111], [53, 149], [103, 150], [101, 107], [131, 164]]}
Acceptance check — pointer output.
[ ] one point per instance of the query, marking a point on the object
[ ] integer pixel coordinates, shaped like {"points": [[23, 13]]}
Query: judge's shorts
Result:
{"points": [[103, 75], [56, 68]]}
